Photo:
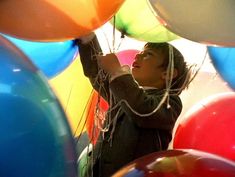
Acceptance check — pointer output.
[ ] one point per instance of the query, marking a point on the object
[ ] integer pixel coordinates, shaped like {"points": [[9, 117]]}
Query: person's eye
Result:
{"points": [[149, 53]]}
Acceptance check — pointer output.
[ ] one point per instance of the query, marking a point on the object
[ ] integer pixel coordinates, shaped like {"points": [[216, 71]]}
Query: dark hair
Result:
{"points": [[180, 82]]}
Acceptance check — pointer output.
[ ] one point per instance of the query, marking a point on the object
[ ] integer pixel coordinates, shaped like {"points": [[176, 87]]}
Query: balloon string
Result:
{"points": [[167, 93], [170, 70], [114, 29], [114, 37], [84, 110], [122, 39], [195, 73], [68, 100]]}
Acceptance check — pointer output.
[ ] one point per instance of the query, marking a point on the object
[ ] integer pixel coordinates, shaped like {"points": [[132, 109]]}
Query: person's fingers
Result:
{"points": [[87, 38]]}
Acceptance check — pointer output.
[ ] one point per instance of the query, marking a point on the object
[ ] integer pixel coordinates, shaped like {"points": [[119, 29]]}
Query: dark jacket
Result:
{"points": [[134, 136]]}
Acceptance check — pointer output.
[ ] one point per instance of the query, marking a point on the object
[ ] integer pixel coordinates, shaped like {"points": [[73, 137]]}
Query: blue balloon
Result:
{"points": [[223, 59], [51, 57], [35, 137]]}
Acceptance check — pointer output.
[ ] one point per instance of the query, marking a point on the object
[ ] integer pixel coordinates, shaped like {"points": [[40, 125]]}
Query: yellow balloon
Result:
{"points": [[73, 90]]}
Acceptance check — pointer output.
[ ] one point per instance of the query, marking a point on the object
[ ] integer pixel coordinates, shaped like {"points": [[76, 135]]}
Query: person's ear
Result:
{"points": [[164, 74]]}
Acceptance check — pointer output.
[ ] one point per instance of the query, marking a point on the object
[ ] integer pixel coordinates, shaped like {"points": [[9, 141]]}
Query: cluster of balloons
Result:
{"points": [[59, 62], [36, 133], [37, 124]]}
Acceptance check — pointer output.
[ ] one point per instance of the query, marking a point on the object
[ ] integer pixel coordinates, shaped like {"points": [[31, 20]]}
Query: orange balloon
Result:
{"points": [[50, 20]]}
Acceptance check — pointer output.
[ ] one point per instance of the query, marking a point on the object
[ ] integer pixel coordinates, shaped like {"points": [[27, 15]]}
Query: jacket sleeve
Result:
{"points": [[125, 88], [88, 55]]}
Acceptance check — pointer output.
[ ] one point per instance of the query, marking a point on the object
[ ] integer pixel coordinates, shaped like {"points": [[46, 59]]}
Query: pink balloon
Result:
{"points": [[209, 126], [179, 163], [126, 57]]}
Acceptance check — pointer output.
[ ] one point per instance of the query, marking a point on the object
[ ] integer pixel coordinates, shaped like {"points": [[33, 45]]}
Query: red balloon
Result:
{"points": [[209, 126], [179, 163], [94, 124], [126, 57]]}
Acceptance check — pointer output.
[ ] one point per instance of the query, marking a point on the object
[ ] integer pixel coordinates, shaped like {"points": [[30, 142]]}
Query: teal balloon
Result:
{"points": [[223, 59], [50, 57], [35, 137]]}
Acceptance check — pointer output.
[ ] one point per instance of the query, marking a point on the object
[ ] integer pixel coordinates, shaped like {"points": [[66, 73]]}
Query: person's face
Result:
{"points": [[147, 68]]}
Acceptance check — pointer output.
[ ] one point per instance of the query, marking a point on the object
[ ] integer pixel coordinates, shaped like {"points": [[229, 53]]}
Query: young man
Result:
{"points": [[144, 102]]}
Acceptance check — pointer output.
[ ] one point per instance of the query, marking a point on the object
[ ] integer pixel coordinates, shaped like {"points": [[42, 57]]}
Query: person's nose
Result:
{"points": [[138, 57]]}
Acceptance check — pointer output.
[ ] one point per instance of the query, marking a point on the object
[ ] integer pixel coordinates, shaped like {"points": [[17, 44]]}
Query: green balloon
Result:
{"points": [[136, 19]]}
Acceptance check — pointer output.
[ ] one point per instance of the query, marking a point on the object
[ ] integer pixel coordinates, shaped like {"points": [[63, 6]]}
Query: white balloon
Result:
{"points": [[205, 21]]}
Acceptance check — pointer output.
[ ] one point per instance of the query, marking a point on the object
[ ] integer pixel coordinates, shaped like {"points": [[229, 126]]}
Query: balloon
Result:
{"points": [[135, 19], [178, 163], [209, 122], [203, 21], [94, 124], [81, 142], [51, 57], [126, 57], [210, 82], [54, 20], [73, 90], [223, 60], [35, 138], [84, 160]]}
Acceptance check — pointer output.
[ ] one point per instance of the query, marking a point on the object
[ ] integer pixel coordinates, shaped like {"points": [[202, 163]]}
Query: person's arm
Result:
{"points": [[89, 49], [125, 88]]}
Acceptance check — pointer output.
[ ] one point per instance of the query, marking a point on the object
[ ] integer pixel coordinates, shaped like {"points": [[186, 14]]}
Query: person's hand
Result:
{"points": [[109, 63], [87, 38]]}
